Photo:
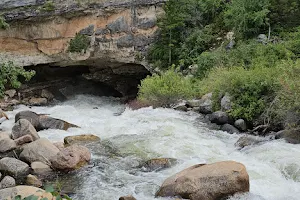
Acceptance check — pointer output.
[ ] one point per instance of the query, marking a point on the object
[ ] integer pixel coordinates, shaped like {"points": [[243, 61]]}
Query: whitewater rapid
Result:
{"points": [[273, 167]]}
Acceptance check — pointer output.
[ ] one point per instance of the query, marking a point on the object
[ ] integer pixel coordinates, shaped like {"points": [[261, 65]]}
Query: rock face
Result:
{"points": [[24, 127], [24, 191], [13, 166], [207, 182], [71, 158], [120, 33], [40, 150]]}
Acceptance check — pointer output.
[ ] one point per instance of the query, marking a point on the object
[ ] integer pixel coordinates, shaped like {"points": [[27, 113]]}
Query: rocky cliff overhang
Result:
{"points": [[120, 33]]}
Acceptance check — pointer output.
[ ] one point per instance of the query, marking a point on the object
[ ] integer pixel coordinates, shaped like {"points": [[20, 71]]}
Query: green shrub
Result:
{"points": [[3, 23], [48, 6], [79, 43], [10, 74], [165, 89]]}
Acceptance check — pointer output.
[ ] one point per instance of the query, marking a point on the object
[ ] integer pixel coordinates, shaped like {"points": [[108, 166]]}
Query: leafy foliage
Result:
{"points": [[79, 43], [166, 89], [48, 6], [3, 23], [10, 74]]}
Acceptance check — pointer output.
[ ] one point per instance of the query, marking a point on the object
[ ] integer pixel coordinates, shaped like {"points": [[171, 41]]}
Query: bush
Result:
{"points": [[10, 74], [165, 89], [3, 23], [79, 43], [48, 6]]}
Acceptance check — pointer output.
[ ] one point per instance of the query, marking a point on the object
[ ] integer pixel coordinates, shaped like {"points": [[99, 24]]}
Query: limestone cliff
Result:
{"points": [[120, 32]]}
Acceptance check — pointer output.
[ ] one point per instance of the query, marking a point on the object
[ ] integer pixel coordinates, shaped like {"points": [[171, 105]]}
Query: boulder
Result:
{"points": [[40, 168], [33, 181], [226, 103], [240, 124], [248, 140], [129, 197], [11, 93], [229, 129], [59, 145], [180, 106], [46, 122], [81, 139], [24, 191], [206, 106], [40, 150], [71, 158], [38, 101], [24, 139], [32, 117], [219, 117], [24, 127], [7, 145], [158, 164], [13, 167], [207, 182], [290, 135], [193, 103], [47, 94], [7, 182], [4, 135]]}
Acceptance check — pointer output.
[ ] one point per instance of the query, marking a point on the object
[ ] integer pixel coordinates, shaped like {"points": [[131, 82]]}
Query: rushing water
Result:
{"points": [[273, 167]]}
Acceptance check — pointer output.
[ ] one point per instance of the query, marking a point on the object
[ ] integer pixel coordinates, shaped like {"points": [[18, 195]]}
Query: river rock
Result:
{"points": [[7, 145], [40, 150], [81, 139], [226, 103], [193, 103], [207, 182], [4, 135], [7, 182], [46, 122], [24, 127], [158, 164], [38, 101], [240, 124], [2, 114], [24, 139], [13, 167], [129, 197], [59, 145], [248, 140], [229, 129], [206, 106], [33, 181], [180, 106], [40, 168], [219, 117], [24, 191], [71, 158], [11, 93], [32, 117], [290, 135], [47, 94]]}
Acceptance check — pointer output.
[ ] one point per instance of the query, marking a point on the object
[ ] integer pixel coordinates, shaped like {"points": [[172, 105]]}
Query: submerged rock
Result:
{"points": [[24, 127], [229, 129], [40, 150], [158, 164], [71, 158], [14, 167], [249, 140], [207, 182], [81, 139], [24, 191], [7, 182], [129, 197]]}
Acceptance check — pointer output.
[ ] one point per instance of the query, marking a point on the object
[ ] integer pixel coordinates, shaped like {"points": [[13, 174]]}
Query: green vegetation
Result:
{"points": [[221, 38], [10, 75], [3, 23], [79, 43], [48, 6]]}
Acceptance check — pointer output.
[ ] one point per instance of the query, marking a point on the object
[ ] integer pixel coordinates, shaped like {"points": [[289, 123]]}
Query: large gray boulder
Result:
{"points": [[32, 117], [24, 127], [206, 104], [14, 167], [7, 182], [207, 182], [46, 122], [7, 145], [219, 117], [226, 103], [240, 124], [71, 158], [40, 150]]}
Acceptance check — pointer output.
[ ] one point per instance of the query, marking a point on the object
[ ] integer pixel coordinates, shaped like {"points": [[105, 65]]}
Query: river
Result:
{"points": [[273, 167]]}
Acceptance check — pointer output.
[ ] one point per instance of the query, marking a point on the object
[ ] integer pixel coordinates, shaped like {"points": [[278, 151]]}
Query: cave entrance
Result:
{"points": [[116, 80]]}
